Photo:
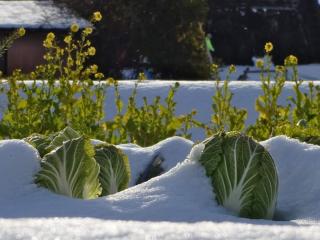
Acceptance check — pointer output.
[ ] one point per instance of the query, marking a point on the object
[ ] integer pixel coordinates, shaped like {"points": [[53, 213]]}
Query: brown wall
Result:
{"points": [[26, 52]]}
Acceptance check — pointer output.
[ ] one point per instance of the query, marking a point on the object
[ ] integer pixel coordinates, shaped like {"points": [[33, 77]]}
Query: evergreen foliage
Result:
{"points": [[168, 33]]}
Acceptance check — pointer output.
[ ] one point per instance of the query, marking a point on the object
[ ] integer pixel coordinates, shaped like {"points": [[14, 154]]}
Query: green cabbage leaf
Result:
{"points": [[65, 135], [71, 170], [40, 142], [243, 174], [114, 169]]}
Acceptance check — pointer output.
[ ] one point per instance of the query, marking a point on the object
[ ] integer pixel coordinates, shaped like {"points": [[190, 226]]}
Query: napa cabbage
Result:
{"points": [[72, 166], [114, 169], [71, 170], [243, 174]]}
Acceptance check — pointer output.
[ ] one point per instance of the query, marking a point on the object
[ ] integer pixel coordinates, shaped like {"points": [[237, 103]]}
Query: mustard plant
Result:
{"points": [[271, 115], [9, 40], [225, 116], [149, 123], [61, 92]]}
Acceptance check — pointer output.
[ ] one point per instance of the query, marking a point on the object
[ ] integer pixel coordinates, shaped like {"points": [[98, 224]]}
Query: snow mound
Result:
{"points": [[84, 229], [172, 150], [299, 189], [19, 162], [176, 205]]}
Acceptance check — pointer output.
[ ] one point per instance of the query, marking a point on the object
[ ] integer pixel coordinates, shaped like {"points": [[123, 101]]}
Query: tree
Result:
{"points": [[169, 33], [171, 36]]}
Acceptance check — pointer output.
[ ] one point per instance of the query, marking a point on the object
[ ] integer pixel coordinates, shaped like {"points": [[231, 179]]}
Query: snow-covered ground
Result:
{"points": [[198, 95], [306, 72], [180, 204]]}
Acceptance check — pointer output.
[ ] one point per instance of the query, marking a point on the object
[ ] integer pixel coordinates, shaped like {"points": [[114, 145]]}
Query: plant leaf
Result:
{"points": [[40, 142], [243, 174], [71, 170], [114, 169], [65, 135]]}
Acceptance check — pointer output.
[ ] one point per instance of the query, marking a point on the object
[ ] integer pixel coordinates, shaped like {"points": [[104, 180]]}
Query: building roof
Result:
{"points": [[37, 15]]}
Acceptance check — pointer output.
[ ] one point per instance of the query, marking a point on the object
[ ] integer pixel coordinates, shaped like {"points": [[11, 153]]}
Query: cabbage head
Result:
{"points": [[72, 166], [243, 174], [114, 169], [71, 170]]}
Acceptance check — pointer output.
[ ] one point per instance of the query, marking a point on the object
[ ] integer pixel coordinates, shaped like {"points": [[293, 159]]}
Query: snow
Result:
{"points": [[19, 163], [298, 165], [37, 14], [180, 204], [198, 95], [172, 150], [307, 72], [191, 95]]}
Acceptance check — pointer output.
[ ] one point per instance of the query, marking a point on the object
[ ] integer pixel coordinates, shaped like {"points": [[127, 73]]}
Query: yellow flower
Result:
{"points": [[94, 68], [70, 61], [214, 67], [111, 81], [59, 51], [280, 69], [99, 76], [21, 32], [47, 43], [74, 28], [268, 47], [291, 60], [50, 36], [97, 16], [68, 39], [92, 51], [33, 75], [87, 31], [260, 63], [142, 76], [232, 68]]}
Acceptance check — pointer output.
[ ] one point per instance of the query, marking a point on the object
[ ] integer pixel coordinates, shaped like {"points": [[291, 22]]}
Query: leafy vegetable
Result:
{"points": [[114, 169], [65, 135], [243, 174], [71, 170], [45, 144], [40, 142]]}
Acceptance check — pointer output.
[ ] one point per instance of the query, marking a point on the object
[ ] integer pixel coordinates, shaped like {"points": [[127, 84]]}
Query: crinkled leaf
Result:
{"points": [[243, 174], [114, 169], [40, 142], [65, 135], [71, 170]]}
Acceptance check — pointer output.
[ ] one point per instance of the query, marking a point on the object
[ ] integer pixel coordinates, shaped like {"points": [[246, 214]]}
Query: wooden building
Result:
{"points": [[38, 18]]}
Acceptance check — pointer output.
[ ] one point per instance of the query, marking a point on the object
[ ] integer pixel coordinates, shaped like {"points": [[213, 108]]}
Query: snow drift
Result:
{"points": [[176, 205]]}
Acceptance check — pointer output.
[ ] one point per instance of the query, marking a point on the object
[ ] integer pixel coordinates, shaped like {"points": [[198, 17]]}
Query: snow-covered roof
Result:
{"points": [[37, 14]]}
